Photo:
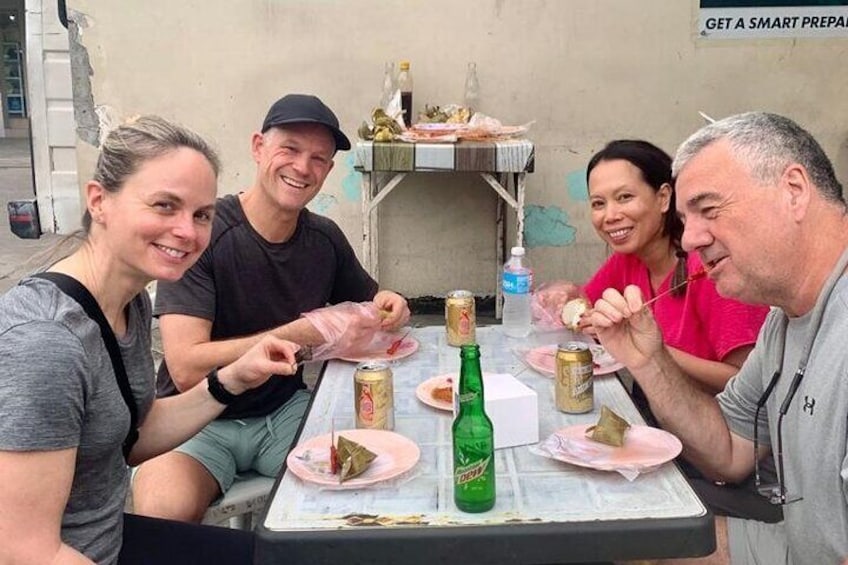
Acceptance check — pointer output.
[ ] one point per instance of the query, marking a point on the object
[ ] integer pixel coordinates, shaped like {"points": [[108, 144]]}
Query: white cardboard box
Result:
{"points": [[513, 408]]}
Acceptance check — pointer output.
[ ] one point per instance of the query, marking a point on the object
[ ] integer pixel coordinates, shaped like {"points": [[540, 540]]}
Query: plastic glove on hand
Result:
{"points": [[347, 328], [547, 301]]}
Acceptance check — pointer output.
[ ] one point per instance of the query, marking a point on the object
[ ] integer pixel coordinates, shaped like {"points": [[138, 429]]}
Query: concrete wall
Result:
{"points": [[586, 71]]}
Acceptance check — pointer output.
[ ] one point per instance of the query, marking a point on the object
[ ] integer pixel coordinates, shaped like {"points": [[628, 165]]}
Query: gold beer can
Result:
{"points": [[373, 396], [574, 373], [460, 318]]}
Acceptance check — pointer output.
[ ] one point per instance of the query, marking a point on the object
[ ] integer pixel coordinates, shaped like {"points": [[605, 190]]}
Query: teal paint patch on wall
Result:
{"points": [[575, 184], [322, 203], [351, 187], [547, 226]]}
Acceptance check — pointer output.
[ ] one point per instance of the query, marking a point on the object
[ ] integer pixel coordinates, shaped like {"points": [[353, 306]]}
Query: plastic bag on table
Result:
{"points": [[483, 127], [347, 328], [547, 301]]}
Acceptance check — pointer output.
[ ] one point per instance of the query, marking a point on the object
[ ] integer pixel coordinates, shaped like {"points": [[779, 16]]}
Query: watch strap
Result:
{"points": [[217, 390]]}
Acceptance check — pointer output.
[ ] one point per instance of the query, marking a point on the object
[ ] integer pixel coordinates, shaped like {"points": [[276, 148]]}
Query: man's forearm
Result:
{"points": [[691, 414], [711, 376], [300, 331], [192, 365]]}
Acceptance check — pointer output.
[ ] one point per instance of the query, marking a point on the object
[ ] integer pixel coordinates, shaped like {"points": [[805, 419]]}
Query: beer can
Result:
{"points": [[373, 396], [460, 318], [574, 373]]}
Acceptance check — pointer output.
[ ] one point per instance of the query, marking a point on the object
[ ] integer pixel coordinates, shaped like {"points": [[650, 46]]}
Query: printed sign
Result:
{"points": [[745, 19]]}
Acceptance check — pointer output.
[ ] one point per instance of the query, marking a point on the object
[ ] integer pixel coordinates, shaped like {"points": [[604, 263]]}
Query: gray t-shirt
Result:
{"points": [[58, 391], [814, 429]]}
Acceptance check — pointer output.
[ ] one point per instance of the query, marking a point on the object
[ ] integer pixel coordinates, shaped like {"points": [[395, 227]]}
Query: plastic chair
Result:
{"points": [[247, 495]]}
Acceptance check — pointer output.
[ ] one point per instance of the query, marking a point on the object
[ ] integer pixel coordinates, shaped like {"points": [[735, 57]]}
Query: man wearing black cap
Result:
{"points": [[269, 261]]}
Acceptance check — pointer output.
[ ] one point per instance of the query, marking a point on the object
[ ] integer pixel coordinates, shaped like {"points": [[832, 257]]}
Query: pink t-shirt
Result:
{"points": [[700, 322]]}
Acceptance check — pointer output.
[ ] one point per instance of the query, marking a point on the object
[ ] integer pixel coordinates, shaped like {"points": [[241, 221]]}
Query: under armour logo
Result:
{"points": [[809, 404]]}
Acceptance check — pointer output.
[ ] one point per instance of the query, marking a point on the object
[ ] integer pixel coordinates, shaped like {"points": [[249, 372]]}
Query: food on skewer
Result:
{"points": [[572, 312], [699, 274]]}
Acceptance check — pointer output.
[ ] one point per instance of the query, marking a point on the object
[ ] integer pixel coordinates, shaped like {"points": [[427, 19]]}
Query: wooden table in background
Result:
{"points": [[385, 165]]}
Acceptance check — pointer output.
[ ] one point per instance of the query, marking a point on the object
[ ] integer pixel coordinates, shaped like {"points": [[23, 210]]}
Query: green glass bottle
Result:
{"points": [[473, 439]]}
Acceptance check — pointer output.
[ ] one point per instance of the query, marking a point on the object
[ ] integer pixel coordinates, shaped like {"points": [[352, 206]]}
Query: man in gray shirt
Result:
{"points": [[762, 207]]}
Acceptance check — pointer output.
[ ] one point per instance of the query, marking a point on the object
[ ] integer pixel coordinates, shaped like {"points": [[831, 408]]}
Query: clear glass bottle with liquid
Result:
{"points": [[471, 98], [389, 84], [405, 86]]}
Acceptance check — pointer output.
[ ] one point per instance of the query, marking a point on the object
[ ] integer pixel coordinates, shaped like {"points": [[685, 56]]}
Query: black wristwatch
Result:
{"points": [[217, 390]]}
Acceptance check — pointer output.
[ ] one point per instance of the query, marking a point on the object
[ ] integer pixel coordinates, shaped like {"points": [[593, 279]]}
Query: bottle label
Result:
{"points": [[467, 397], [474, 470], [517, 283]]}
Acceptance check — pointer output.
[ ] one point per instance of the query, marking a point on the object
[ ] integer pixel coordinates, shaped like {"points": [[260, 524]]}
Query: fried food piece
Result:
{"points": [[442, 393]]}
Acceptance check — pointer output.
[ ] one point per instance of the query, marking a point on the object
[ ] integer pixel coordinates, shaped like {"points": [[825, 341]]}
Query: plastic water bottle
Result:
{"points": [[517, 282]]}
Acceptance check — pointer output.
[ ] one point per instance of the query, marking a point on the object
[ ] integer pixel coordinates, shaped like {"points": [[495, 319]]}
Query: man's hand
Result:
{"points": [[393, 309], [547, 301], [270, 356], [625, 329], [346, 328]]}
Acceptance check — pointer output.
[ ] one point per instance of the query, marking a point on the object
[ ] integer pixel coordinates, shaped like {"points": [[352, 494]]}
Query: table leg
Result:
{"points": [[500, 230], [368, 232], [518, 181]]}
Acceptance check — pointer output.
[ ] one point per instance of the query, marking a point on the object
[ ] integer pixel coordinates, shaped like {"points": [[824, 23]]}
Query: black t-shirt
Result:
{"points": [[246, 285]]}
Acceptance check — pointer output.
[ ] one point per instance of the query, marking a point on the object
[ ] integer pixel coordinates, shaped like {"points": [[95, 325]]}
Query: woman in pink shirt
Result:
{"points": [[633, 211]]}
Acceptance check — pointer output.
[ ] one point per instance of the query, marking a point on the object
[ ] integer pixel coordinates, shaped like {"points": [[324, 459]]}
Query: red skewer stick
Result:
{"points": [[699, 274], [397, 343]]}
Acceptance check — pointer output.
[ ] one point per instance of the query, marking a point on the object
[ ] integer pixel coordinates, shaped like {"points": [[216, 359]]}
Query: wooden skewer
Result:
{"points": [[694, 276]]}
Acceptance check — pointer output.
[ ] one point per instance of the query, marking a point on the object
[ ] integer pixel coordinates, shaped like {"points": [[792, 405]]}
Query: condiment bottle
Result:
{"points": [[405, 86]]}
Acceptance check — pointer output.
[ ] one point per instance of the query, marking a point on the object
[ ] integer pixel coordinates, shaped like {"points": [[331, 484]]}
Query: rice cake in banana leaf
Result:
{"points": [[609, 430], [352, 458]]}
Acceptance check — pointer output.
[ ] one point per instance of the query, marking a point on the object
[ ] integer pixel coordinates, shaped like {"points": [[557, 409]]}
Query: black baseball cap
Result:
{"points": [[305, 108]]}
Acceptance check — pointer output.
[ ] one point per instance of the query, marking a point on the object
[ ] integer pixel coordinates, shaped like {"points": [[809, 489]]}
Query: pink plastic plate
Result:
{"points": [[396, 454], [424, 391], [380, 345], [543, 360], [644, 447]]}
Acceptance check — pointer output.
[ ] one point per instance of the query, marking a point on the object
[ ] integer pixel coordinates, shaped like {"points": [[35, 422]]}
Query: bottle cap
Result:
{"points": [[518, 251], [404, 65]]}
